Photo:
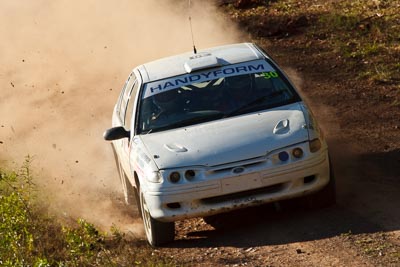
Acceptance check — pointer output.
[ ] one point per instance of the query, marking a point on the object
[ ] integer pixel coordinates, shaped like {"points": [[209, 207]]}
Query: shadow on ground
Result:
{"points": [[367, 196]]}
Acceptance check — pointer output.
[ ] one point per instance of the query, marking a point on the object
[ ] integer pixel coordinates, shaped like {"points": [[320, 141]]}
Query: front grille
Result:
{"points": [[254, 192], [245, 164]]}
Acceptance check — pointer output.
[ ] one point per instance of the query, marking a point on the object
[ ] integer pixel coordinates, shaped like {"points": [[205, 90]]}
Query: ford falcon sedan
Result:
{"points": [[207, 132]]}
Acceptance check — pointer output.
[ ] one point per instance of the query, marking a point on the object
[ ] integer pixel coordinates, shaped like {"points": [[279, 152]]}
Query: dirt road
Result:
{"points": [[362, 127], [62, 66], [363, 131], [361, 230]]}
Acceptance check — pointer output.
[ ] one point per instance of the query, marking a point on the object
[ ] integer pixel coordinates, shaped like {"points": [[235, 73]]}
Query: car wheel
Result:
{"points": [[326, 196], [157, 233]]}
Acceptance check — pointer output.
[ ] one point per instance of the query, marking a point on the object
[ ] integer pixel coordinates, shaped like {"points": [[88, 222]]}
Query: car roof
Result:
{"points": [[203, 59]]}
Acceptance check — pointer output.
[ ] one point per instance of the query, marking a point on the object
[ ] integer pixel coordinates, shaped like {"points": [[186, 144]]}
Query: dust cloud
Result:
{"points": [[63, 63]]}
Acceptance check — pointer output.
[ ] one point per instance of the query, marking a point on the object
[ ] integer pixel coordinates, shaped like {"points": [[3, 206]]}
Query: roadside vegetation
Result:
{"points": [[363, 33], [29, 236]]}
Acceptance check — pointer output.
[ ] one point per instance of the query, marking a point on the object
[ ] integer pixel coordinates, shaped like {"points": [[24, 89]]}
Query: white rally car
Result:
{"points": [[196, 135]]}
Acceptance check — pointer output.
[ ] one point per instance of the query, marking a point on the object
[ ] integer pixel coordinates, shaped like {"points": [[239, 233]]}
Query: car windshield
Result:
{"points": [[213, 94]]}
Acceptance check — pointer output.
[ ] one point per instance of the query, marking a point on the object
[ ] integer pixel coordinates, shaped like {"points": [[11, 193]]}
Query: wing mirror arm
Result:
{"points": [[116, 133]]}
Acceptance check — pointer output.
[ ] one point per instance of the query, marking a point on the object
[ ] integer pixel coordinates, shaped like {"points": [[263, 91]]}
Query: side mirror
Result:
{"points": [[116, 133]]}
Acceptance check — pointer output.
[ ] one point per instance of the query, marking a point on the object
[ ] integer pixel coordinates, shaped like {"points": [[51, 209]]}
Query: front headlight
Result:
{"points": [[154, 177], [315, 145]]}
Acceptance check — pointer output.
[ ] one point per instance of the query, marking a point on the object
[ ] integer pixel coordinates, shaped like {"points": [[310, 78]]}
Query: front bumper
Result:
{"points": [[221, 190]]}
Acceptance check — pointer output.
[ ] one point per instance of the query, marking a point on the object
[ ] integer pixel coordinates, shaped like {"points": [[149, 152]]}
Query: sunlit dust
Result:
{"points": [[63, 64]]}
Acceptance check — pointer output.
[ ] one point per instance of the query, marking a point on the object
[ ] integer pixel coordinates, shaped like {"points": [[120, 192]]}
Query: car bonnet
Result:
{"points": [[227, 140]]}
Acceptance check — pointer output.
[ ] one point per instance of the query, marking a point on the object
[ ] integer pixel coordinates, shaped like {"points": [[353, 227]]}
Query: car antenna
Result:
{"points": [[191, 28]]}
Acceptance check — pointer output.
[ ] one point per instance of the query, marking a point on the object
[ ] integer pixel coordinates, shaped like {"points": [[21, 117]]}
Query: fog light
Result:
{"points": [[174, 177], [190, 174], [297, 152], [309, 179], [283, 156], [315, 145]]}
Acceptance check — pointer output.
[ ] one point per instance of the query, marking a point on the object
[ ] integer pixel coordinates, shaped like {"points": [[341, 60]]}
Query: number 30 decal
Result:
{"points": [[270, 74]]}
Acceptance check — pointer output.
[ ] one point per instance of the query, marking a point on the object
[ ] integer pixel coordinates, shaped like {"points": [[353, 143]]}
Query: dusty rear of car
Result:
{"points": [[212, 132]]}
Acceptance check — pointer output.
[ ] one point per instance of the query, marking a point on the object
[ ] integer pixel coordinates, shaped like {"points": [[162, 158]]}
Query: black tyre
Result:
{"points": [[157, 233], [326, 196]]}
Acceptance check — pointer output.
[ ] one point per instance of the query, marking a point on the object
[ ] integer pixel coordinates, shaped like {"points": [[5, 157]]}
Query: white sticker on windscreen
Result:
{"points": [[161, 86]]}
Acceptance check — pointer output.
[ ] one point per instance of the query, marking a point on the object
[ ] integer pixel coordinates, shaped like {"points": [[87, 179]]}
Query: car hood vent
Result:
{"points": [[282, 127], [175, 148]]}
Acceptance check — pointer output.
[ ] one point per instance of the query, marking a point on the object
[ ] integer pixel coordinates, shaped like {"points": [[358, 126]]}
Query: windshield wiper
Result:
{"points": [[254, 103]]}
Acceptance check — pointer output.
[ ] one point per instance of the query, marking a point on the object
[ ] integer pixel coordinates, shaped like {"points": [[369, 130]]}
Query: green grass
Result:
{"points": [[365, 33], [29, 236]]}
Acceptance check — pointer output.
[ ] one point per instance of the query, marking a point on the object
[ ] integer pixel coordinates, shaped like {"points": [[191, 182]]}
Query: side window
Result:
{"points": [[126, 94], [119, 104], [129, 109]]}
